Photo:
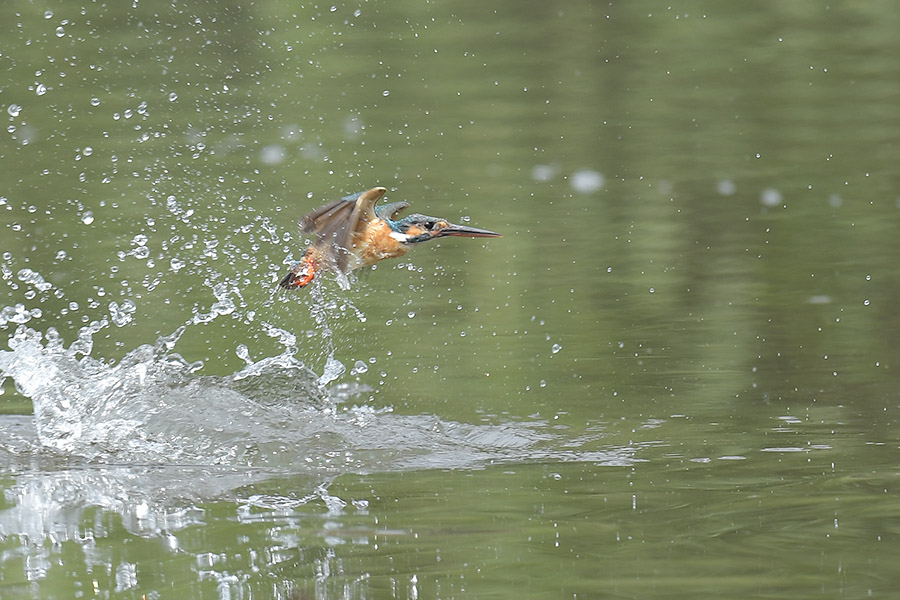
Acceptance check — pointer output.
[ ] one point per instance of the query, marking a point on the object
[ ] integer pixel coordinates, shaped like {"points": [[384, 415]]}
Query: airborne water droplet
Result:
{"points": [[87, 217], [359, 367], [771, 198], [176, 264], [543, 173], [333, 369], [243, 353], [586, 181], [122, 315], [726, 187], [556, 348]]}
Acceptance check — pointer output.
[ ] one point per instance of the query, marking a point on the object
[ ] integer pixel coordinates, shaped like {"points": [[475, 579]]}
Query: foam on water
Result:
{"points": [[153, 437], [150, 435], [153, 405]]}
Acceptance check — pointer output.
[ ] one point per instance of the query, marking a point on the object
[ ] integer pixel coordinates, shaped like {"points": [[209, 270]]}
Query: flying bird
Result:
{"points": [[352, 232]]}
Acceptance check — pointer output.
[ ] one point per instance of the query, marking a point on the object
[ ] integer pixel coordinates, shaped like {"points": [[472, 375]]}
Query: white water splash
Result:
{"points": [[153, 432], [152, 405]]}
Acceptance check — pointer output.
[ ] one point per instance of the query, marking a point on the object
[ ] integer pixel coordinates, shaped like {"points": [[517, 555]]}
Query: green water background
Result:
{"points": [[723, 305]]}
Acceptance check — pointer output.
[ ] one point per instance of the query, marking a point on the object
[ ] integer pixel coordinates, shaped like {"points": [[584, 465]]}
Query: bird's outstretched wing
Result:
{"points": [[336, 224], [390, 210]]}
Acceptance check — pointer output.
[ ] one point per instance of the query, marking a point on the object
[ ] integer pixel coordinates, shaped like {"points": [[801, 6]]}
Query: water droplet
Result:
{"points": [[359, 367], [386, 93], [60, 31], [771, 198], [726, 187], [121, 315], [272, 155], [333, 369], [176, 264], [18, 314], [33, 278], [586, 181], [173, 97], [556, 348], [541, 173], [411, 314], [95, 101], [243, 353], [87, 217], [13, 110], [48, 14]]}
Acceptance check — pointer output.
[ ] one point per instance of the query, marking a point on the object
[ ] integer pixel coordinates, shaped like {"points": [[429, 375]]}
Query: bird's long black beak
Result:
{"points": [[465, 231]]}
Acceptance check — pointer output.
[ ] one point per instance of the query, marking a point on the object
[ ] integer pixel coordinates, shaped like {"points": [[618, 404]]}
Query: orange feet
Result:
{"points": [[300, 275]]}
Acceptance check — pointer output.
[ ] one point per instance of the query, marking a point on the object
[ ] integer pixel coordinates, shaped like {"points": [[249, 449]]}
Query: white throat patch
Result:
{"points": [[400, 237]]}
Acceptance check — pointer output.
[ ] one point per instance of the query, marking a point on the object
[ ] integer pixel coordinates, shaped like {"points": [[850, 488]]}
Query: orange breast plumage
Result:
{"points": [[376, 244]]}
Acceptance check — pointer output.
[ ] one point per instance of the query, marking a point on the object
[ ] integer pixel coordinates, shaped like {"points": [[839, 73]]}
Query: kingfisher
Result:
{"points": [[352, 232]]}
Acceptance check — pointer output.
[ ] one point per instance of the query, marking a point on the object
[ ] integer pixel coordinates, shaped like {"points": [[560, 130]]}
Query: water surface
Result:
{"points": [[674, 376]]}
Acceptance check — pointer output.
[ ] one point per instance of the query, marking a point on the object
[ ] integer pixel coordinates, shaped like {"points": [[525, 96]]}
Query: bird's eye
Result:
{"points": [[429, 225]]}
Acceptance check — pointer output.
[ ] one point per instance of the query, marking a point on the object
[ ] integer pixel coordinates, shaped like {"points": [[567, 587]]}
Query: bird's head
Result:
{"points": [[418, 228]]}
